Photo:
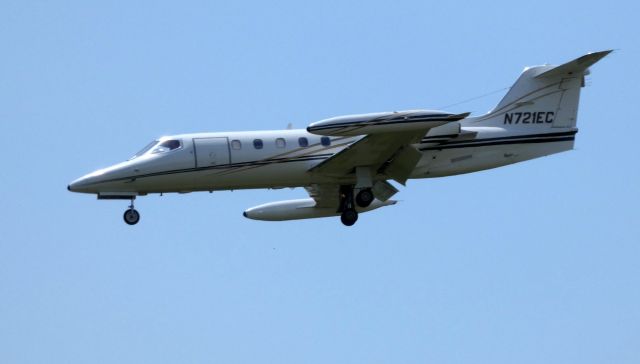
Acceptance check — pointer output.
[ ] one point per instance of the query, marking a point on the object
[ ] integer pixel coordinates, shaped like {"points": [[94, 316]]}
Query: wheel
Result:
{"points": [[131, 216], [364, 198], [349, 217]]}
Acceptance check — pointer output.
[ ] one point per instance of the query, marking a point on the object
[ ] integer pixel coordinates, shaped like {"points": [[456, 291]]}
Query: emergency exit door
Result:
{"points": [[211, 151]]}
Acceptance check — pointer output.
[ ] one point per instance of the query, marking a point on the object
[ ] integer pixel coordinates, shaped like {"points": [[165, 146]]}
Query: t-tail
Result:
{"points": [[544, 99]]}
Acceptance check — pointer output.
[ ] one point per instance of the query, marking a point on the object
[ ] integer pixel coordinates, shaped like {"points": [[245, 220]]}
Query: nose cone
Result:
{"points": [[89, 183], [82, 184], [109, 179]]}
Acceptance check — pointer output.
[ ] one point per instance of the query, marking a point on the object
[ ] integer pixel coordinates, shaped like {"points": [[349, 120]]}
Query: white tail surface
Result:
{"points": [[543, 97]]}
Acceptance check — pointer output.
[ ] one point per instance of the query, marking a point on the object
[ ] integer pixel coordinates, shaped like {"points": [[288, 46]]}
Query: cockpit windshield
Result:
{"points": [[157, 147], [145, 149], [166, 146]]}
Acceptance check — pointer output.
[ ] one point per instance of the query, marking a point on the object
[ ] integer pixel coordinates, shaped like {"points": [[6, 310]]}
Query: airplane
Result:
{"points": [[345, 163]]}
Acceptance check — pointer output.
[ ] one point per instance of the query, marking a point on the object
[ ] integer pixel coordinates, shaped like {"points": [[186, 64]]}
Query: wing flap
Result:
{"points": [[402, 164], [327, 195]]}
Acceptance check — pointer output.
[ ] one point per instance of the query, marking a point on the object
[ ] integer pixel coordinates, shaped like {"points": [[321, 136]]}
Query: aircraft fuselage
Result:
{"points": [[232, 160]]}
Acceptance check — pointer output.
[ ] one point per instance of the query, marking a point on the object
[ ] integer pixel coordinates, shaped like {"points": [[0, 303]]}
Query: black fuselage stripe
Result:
{"points": [[226, 166], [512, 137], [501, 142]]}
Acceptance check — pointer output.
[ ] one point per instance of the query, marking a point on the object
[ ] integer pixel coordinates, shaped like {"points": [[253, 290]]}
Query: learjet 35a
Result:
{"points": [[345, 163]]}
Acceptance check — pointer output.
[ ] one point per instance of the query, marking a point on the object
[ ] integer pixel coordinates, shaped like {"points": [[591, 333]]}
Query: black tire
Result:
{"points": [[364, 198], [349, 217], [131, 217]]}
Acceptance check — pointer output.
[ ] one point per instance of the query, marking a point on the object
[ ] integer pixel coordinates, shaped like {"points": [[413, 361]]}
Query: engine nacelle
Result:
{"points": [[301, 209]]}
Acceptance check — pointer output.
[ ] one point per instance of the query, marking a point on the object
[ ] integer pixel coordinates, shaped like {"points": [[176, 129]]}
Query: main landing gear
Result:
{"points": [[364, 198], [349, 215], [131, 215]]}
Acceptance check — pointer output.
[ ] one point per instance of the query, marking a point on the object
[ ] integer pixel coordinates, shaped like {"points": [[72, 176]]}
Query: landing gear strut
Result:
{"points": [[131, 215], [349, 214]]}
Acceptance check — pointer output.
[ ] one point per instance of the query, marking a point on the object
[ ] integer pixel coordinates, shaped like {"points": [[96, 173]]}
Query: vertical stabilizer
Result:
{"points": [[543, 97]]}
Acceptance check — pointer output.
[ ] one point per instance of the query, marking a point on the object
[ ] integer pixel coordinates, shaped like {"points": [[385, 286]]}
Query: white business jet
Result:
{"points": [[345, 163]]}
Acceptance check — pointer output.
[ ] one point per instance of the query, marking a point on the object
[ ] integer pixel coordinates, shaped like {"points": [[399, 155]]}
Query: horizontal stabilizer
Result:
{"points": [[577, 66]]}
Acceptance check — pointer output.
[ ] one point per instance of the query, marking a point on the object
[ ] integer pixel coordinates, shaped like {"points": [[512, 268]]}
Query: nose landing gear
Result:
{"points": [[131, 215]]}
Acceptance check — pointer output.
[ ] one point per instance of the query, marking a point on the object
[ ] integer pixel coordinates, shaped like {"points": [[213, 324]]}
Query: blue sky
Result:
{"points": [[536, 262]]}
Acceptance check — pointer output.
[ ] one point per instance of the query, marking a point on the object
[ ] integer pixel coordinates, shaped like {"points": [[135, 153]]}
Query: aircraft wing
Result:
{"points": [[373, 151], [386, 146]]}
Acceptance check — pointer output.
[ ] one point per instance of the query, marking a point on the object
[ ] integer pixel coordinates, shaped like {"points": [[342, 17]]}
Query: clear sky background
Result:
{"points": [[532, 263]]}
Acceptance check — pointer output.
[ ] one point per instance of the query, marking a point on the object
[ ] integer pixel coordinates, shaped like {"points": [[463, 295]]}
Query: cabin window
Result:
{"points": [[236, 144], [325, 141], [281, 143], [303, 142], [257, 143], [166, 146]]}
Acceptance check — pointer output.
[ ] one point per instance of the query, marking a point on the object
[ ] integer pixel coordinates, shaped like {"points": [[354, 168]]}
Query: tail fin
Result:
{"points": [[543, 96]]}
